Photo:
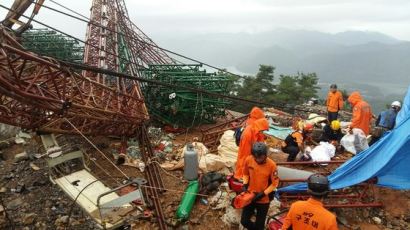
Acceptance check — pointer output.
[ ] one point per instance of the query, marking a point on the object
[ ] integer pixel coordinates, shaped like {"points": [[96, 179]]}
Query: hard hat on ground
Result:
{"points": [[318, 185], [396, 104], [242, 200], [308, 127], [335, 125], [259, 149]]}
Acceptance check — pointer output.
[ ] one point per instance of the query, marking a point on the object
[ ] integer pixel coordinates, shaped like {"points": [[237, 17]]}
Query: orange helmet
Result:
{"points": [[242, 200], [308, 127]]}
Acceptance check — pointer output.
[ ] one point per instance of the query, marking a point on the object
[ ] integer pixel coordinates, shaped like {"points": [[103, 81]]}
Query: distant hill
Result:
{"points": [[354, 59]]}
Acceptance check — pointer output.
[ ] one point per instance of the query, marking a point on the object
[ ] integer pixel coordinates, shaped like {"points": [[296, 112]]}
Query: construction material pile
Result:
{"points": [[52, 44], [181, 107]]}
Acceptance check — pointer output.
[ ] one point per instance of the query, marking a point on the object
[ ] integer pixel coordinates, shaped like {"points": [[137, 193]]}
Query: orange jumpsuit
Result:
{"points": [[362, 113], [255, 114], [260, 177], [251, 134], [334, 101], [309, 215]]}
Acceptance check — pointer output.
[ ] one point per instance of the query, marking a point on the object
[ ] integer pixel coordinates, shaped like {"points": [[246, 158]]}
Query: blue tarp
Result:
{"points": [[387, 160], [279, 132]]}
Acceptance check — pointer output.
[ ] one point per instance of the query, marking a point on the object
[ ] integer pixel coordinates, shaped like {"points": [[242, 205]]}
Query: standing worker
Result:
{"points": [[294, 142], [261, 178], [255, 114], [310, 214], [334, 103], [253, 133], [362, 113], [386, 121]]}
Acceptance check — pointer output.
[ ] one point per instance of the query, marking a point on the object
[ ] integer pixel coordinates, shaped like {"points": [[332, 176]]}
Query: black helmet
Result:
{"points": [[318, 185], [259, 149], [333, 86]]}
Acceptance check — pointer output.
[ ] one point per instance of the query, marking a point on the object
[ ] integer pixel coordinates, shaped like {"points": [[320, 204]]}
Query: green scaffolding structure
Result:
{"points": [[184, 108], [50, 43]]}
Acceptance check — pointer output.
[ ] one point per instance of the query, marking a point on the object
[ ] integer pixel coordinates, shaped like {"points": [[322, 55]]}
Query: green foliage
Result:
{"points": [[307, 84], [290, 90]]}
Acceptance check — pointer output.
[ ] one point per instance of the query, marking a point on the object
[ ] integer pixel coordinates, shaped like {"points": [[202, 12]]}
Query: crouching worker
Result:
{"points": [[310, 214], [295, 142], [332, 132], [261, 178]]}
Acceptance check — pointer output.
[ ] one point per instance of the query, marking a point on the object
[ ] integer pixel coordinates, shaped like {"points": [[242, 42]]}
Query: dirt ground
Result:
{"points": [[42, 205]]}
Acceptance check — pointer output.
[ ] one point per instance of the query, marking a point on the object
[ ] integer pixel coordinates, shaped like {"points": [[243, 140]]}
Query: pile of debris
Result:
{"points": [[304, 111], [28, 199]]}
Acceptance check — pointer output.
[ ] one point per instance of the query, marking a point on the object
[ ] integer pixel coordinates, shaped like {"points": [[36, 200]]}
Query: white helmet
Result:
{"points": [[396, 104]]}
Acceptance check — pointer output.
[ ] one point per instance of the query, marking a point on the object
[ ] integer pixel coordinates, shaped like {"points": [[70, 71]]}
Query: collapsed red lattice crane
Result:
{"points": [[37, 92]]}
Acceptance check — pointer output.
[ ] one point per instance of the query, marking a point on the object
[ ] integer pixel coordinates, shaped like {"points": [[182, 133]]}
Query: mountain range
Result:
{"points": [[376, 64]]}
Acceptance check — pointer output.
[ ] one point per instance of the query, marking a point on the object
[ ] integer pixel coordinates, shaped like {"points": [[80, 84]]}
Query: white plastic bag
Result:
{"points": [[355, 142], [323, 152]]}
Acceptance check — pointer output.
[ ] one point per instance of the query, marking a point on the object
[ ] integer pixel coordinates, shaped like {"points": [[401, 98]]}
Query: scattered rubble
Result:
{"points": [[41, 205], [377, 220], [21, 157], [28, 219]]}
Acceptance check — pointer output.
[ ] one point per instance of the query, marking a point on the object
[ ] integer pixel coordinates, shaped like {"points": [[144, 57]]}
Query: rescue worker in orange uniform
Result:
{"points": [[294, 142], [252, 134], [261, 178], [255, 114], [334, 103], [362, 113], [310, 214]]}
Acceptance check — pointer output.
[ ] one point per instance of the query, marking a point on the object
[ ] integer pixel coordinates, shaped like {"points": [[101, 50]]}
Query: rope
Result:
{"points": [[91, 143], [64, 7], [165, 171], [193, 120], [66, 189], [105, 171], [74, 201]]}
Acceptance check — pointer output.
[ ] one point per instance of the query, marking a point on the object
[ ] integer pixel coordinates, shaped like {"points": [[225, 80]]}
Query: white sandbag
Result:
{"points": [[323, 152], [228, 149], [314, 119], [211, 162], [355, 142]]}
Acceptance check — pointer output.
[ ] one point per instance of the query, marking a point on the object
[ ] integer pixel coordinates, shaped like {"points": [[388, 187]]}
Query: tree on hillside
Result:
{"points": [[290, 90], [297, 89], [287, 89], [259, 88], [307, 84]]}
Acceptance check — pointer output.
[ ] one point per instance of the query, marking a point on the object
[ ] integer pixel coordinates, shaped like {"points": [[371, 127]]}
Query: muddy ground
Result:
{"points": [[42, 205]]}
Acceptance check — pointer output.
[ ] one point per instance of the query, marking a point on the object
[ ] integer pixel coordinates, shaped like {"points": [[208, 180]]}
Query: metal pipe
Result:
{"points": [[353, 205], [310, 162]]}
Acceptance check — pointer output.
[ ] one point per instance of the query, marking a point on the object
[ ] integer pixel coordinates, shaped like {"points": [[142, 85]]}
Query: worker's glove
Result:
{"points": [[258, 196], [245, 187]]}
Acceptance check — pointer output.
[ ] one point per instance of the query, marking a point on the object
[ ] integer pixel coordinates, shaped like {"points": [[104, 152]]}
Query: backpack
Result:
{"points": [[237, 135]]}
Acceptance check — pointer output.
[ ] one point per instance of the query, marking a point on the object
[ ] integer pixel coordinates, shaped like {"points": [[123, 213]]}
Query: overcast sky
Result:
{"points": [[156, 17]]}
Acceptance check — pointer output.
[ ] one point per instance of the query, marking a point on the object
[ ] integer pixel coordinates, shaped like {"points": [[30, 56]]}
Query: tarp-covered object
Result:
{"points": [[387, 160], [278, 132]]}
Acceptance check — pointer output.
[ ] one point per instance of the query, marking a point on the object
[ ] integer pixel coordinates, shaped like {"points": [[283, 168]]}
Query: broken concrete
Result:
{"points": [[21, 157]]}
